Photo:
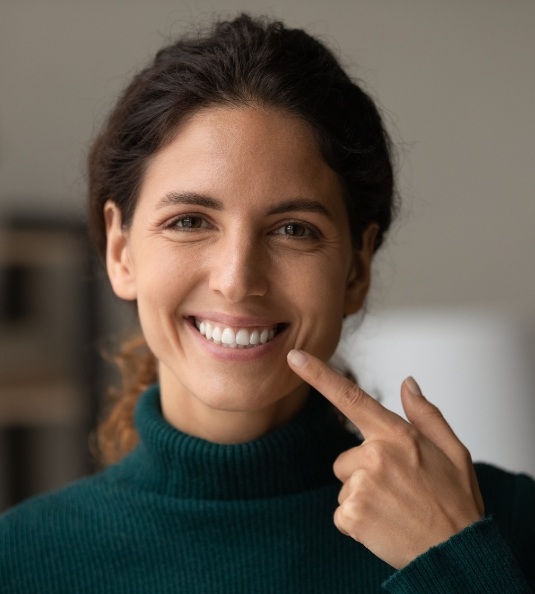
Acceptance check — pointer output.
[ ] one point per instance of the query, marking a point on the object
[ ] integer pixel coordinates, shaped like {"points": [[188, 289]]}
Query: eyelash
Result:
{"points": [[173, 224], [310, 232]]}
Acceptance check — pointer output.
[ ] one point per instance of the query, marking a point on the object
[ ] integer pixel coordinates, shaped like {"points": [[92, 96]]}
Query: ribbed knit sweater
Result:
{"points": [[183, 515]]}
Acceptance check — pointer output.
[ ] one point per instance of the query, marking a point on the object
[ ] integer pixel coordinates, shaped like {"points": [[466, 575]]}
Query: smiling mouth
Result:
{"points": [[237, 338]]}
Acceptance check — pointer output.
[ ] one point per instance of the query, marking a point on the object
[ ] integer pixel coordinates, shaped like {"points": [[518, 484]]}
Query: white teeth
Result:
{"points": [[216, 334], [228, 336], [241, 338]]}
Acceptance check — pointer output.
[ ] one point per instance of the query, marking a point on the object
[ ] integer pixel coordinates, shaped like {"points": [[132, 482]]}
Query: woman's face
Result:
{"points": [[239, 250]]}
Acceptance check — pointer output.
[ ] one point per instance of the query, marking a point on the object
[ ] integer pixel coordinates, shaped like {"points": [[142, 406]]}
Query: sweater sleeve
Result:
{"points": [[477, 560]]}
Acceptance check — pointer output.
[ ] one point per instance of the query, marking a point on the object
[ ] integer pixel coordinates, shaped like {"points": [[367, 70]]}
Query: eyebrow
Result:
{"points": [[172, 198], [302, 205], [291, 205]]}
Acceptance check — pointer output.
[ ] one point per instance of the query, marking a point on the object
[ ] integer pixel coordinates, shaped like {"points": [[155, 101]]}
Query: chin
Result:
{"points": [[244, 397]]}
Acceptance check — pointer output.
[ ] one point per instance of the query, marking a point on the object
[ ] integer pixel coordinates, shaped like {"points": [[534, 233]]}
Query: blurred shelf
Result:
{"points": [[38, 403]]}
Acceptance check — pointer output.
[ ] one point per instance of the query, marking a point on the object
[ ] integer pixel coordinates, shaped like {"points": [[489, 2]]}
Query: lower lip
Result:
{"points": [[235, 354]]}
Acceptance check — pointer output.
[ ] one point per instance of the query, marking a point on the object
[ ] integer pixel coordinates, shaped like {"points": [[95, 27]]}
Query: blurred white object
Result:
{"points": [[477, 367]]}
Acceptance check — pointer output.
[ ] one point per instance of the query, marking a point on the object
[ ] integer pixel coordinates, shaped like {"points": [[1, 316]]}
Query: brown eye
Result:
{"points": [[189, 223], [294, 230]]}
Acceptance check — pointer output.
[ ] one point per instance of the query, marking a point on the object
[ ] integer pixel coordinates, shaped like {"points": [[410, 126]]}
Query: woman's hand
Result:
{"points": [[409, 485]]}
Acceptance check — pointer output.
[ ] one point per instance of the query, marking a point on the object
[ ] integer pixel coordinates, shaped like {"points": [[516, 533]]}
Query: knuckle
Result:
{"points": [[356, 482], [408, 434], [351, 396], [463, 456], [318, 372], [337, 469], [431, 410], [374, 455], [341, 472], [411, 439], [339, 521], [342, 465], [349, 512], [349, 518]]}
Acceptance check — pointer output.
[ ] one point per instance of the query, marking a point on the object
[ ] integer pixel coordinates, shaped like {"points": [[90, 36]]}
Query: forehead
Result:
{"points": [[243, 155]]}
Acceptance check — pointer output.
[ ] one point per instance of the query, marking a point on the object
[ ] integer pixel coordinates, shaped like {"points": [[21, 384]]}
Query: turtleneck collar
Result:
{"points": [[293, 458]]}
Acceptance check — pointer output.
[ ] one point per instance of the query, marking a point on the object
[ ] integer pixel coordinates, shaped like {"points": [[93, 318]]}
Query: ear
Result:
{"points": [[118, 260], [358, 281]]}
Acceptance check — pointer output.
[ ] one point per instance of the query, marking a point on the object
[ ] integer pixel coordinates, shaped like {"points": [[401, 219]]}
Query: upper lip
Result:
{"points": [[235, 321]]}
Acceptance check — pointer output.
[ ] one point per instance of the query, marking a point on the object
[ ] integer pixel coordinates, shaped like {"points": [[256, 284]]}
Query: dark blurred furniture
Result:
{"points": [[48, 356]]}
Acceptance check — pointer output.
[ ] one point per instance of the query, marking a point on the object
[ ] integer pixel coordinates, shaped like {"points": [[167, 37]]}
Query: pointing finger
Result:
{"points": [[364, 411]]}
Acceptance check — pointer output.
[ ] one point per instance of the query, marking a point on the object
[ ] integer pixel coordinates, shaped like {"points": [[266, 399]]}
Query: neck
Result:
{"points": [[296, 457], [226, 422]]}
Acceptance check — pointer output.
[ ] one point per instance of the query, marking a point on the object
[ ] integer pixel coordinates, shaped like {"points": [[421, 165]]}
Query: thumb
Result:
{"points": [[428, 419]]}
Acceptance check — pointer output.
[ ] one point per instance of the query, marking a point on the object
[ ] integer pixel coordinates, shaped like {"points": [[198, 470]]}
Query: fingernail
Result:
{"points": [[414, 388], [297, 358]]}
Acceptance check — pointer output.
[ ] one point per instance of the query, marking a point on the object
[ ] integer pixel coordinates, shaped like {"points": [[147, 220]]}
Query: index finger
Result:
{"points": [[360, 408]]}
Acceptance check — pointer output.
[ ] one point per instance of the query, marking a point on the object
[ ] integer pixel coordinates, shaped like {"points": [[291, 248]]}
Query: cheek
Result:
{"points": [[320, 288], [165, 276], [164, 284], [318, 297]]}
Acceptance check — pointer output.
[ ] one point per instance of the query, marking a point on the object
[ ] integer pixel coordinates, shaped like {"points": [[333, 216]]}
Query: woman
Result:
{"points": [[238, 193]]}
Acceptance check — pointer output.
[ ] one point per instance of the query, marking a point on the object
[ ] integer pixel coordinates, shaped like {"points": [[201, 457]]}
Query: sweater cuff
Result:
{"points": [[477, 559]]}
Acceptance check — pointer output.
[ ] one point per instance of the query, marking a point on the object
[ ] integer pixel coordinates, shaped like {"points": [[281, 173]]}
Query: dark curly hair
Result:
{"points": [[243, 61]]}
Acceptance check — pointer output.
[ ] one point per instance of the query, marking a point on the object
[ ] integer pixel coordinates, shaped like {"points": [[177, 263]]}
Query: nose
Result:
{"points": [[239, 269]]}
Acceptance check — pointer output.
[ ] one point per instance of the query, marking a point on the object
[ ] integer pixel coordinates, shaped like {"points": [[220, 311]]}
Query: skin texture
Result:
{"points": [[411, 484], [238, 262]]}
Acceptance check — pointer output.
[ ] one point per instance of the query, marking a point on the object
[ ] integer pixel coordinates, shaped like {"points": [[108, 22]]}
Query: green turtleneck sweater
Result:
{"points": [[184, 515]]}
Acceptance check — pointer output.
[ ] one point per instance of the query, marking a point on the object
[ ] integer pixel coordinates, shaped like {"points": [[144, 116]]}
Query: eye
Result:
{"points": [[295, 230], [189, 223]]}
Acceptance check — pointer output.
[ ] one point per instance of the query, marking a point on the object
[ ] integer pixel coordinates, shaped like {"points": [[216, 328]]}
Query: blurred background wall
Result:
{"points": [[455, 80]]}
